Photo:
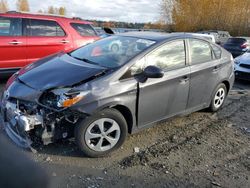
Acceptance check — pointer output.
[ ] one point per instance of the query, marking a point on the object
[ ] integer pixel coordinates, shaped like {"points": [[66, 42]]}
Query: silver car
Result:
{"points": [[98, 95], [242, 66]]}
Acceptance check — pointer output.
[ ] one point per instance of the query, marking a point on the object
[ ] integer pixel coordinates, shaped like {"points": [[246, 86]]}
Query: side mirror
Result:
{"points": [[153, 72]]}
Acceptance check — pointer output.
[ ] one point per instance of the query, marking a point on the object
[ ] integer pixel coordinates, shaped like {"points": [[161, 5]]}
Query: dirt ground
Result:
{"points": [[198, 150]]}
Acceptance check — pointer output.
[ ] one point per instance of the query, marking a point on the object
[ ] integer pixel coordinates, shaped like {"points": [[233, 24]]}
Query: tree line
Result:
{"points": [[23, 5], [195, 15]]}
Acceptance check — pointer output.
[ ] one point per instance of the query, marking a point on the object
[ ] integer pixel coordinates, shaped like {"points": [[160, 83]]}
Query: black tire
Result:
{"points": [[213, 107], [82, 127]]}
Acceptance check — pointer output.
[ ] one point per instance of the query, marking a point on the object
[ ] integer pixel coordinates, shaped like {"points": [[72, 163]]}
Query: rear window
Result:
{"points": [[236, 40], [200, 51], [10, 26], [45, 28], [84, 29], [217, 51]]}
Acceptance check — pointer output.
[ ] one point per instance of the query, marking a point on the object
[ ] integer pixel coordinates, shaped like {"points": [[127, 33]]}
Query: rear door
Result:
{"points": [[12, 44], [45, 37], [167, 96], [204, 73]]}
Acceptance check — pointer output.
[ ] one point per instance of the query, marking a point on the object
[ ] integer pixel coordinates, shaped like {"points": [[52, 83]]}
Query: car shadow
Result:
{"points": [[66, 148], [241, 84]]}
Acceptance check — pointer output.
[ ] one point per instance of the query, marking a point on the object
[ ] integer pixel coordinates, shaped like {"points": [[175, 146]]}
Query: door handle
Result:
{"points": [[64, 41], [184, 79], [216, 68], [14, 42]]}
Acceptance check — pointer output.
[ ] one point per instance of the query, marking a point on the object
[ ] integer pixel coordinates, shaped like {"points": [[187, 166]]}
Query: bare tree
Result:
{"points": [[62, 11], [51, 10], [23, 5], [3, 6]]}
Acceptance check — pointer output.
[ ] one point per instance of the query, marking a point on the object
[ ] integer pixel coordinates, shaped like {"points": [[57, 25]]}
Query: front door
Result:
{"points": [[167, 96], [12, 44]]}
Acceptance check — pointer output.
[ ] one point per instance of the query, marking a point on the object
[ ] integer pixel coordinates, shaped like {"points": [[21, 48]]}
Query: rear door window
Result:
{"points": [[44, 28], [200, 51], [10, 26], [84, 29]]}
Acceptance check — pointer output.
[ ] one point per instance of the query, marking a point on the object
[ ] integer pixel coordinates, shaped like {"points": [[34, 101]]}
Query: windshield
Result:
{"points": [[111, 52]]}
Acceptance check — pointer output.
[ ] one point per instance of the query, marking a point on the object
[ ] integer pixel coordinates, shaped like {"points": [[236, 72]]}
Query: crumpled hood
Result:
{"points": [[58, 71]]}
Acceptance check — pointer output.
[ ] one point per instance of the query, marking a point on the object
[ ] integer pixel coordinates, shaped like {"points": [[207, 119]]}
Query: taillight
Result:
{"points": [[245, 45]]}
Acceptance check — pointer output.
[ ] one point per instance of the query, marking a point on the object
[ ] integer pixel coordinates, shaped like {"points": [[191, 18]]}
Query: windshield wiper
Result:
{"points": [[85, 60]]}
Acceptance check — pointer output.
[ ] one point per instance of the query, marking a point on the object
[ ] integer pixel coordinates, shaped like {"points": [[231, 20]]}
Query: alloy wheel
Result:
{"points": [[103, 134], [219, 98]]}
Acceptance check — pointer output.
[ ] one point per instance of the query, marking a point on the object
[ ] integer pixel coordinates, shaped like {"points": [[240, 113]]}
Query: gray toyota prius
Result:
{"points": [[118, 85]]}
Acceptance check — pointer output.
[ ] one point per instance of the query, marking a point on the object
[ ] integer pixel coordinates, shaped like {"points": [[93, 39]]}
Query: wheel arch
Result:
{"points": [[227, 84], [127, 114]]}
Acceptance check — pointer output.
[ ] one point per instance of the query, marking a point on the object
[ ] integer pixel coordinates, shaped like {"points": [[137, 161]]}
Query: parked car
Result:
{"points": [[25, 38], [220, 36], [242, 66], [99, 96], [237, 46]]}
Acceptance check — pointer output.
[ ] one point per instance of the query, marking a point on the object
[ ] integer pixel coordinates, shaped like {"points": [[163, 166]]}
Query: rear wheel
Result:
{"points": [[101, 133], [218, 98]]}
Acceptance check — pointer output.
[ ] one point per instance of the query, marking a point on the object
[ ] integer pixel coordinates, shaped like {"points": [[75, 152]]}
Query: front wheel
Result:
{"points": [[101, 133], [218, 98]]}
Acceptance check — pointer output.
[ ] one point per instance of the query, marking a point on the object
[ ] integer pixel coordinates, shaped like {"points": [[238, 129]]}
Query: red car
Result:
{"points": [[25, 38]]}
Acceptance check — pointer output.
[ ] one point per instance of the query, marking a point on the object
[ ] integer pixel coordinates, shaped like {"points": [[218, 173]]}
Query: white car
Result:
{"points": [[206, 36], [242, 66]]}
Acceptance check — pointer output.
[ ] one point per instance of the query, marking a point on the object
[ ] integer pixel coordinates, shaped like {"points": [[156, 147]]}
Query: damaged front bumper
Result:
{"points": [[43, 127], [17, 125]]}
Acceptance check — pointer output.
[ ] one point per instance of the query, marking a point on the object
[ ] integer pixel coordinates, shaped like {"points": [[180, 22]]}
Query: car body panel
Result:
{"points": [[57, 66], [13, 56], [164, 97]]}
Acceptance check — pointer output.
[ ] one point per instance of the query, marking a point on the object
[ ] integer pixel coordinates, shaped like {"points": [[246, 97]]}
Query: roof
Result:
{"points": [[158, 36], [42, 16]]}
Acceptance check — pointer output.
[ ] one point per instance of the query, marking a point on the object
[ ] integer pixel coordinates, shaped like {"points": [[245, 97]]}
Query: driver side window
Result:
{"points": [[169, 56]]}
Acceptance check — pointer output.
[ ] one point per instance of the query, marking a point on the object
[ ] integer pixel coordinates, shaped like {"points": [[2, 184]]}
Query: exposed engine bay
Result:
{"points": [[43, 122]]}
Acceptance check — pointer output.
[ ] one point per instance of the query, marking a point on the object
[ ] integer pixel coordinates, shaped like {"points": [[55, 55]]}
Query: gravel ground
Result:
{"points": [[198, 150]]}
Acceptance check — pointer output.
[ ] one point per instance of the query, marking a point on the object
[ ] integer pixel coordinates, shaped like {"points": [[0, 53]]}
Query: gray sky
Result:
{"points": [[120, 10]]}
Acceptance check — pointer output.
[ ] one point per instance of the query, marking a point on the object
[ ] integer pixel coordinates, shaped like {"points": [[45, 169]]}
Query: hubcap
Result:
{"points": [[219, 98], [103, 134]]}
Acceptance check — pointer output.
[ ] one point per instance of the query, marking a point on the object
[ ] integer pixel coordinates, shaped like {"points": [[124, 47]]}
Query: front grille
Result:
{"points": [[242, 75], [245, 66]]}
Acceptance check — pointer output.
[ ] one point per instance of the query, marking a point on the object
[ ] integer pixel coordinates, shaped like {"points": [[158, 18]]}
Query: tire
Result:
{"points": [[96, 143], [218, 98]]}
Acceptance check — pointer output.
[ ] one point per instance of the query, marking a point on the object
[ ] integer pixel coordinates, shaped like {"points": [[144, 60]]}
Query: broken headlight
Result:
{"points": [[62, 98]]}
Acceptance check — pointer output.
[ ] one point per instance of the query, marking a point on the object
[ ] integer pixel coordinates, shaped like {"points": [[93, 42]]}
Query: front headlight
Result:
{"points": [[236, 61], [69, 99], [62, 98]]}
